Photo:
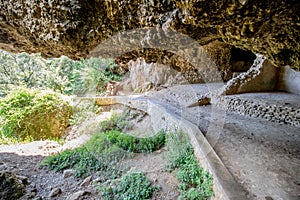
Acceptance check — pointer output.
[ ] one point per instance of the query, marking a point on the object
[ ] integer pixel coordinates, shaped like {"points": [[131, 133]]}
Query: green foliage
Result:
{"points": [[31, 114], [83, 110], [30, 70], [134, 144], [122, 122], [97, 155], [93, 74], [133, 186], [59, 74], [118, 122], [195, 182], [102, 153], [179, 149]]}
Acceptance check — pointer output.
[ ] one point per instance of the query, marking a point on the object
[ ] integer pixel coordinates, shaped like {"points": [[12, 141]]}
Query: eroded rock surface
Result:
{"points": [[75, 27]]}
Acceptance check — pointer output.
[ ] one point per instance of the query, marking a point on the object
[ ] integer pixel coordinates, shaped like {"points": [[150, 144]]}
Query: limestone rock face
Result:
{"points": [[143, 75], [74, 27]]}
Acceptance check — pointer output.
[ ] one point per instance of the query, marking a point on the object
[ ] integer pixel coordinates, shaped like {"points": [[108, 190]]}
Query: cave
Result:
{"points": [[226, 73], [241, 60]]}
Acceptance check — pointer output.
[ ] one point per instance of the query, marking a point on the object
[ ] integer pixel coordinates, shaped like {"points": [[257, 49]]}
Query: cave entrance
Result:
{"points": [[241, 60]]}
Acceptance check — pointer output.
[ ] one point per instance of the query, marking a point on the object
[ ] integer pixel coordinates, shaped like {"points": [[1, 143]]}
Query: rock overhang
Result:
{"points": [[75, 28]]}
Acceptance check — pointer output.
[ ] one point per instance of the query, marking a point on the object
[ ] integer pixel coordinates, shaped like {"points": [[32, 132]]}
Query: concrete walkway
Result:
{"points": [[250, 158]]}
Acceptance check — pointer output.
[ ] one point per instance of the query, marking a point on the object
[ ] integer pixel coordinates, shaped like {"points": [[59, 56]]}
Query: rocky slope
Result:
{"points": [[75, 27]]}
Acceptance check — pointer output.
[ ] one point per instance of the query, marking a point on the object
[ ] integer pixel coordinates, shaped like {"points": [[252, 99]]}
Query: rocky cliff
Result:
{"points": [[75, 27]]}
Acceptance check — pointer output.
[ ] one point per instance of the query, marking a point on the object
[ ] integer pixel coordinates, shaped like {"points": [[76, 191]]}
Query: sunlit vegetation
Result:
{"points": [[30, 114], [32, 105]]}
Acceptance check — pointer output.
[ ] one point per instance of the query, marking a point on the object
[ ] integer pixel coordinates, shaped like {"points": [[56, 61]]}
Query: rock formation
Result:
{"points": [[75, 27]]}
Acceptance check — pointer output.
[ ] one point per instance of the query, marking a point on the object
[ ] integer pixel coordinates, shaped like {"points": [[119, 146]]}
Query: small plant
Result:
{"points": [[132, 186], [195, 182], [122, 122], [179, 149], [119, 122], [134, 144], [27, 114]]}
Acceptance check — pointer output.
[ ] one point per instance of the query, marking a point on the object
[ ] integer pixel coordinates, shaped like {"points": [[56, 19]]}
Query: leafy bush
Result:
{"points": [[134, 144], [93, 74], [179, 149], [195, 182], [116, 122], [59, 74], [33, 114], [98, 154], [30, 70], [131, 187], [122, 122], [102, 153]]}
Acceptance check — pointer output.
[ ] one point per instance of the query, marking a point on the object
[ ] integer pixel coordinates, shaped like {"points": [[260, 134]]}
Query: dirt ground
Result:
{"points": [[24, 159], [261, 155], [42, 181]]}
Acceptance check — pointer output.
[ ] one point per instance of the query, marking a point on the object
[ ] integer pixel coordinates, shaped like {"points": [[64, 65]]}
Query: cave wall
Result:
{"points": [[289, 80], [74, 27]]}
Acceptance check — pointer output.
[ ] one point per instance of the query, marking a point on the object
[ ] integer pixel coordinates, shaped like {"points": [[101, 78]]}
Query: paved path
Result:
{"points": [[262, 156]]}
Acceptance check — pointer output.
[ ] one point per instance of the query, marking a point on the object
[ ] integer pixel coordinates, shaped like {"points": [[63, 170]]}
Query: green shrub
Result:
{"points": [[134, 144], [195, 182], [82, 110], [33, 114], [97, 155], [102, 153], [117, 122], [59, 74], [94, 74], [29, 70], [132, 186], [179, 149]]}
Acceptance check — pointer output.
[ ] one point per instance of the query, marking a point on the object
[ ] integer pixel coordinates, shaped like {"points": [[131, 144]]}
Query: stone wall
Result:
{"points": [[246, 105]]}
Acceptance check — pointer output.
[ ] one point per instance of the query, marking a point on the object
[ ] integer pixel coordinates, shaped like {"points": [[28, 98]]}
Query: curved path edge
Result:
{"points": [[225, 186]]}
